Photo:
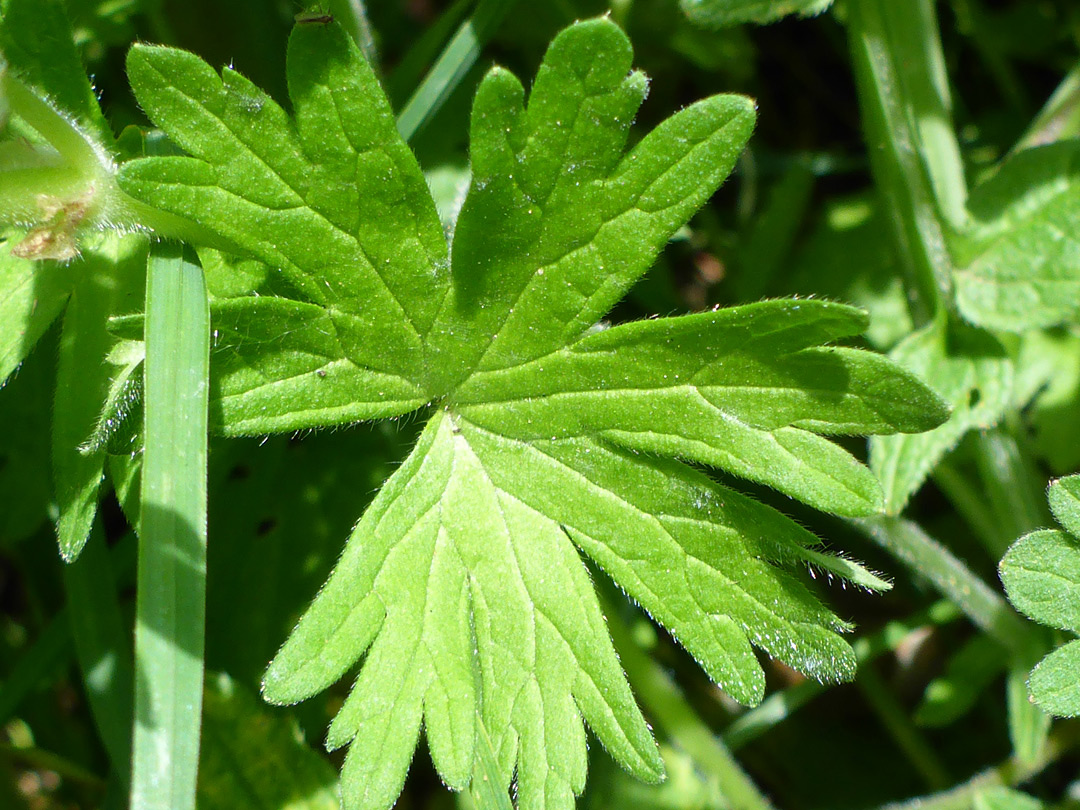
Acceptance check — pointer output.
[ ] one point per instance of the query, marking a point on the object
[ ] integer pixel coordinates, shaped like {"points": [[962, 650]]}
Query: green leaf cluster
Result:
{"points": [[1041, 574], [550, 435]]}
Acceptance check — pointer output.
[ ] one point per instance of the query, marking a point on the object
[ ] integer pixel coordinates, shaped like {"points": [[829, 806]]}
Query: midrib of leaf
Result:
{"points": [[621, 392], [536, 609]]}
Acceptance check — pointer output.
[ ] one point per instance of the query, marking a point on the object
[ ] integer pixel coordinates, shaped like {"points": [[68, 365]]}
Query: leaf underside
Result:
{"points": [[463, 589]]}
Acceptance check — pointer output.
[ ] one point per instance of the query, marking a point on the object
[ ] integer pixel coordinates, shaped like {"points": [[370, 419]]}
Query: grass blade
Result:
{"points": [[485, 787], [915, 158], [459, 55], [171, 598]]}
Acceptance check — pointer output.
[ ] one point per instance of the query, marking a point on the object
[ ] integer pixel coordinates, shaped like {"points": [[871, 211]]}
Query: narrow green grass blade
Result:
{"points": [[903, 91], [171, 598], [459, 55], [408, 72], [486, 784], [353, 16], [102, 647]]}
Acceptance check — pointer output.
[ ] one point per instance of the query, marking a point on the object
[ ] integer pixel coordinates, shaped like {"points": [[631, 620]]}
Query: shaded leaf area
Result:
{"points": [[953, 694], [1021, 263], [300, 497], [869, 277], [1054, 409], [1041, 574], [685, 787], [36, 40], [23, 478], [252, 758], [970, 370], [32, 295], [109, 281], [462, 589]]}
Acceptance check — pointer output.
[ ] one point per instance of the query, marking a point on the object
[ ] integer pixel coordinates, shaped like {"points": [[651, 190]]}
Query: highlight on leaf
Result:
{"points": [[462, 591]]}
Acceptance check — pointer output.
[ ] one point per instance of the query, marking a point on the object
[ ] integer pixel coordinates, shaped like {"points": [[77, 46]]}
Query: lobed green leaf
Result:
{"points": [[462, 590], [556, 228], [336, 201], [457, 589]]}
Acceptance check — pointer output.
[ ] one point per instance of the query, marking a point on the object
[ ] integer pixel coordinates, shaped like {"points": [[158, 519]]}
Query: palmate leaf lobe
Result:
{"points": [[462, 588]]}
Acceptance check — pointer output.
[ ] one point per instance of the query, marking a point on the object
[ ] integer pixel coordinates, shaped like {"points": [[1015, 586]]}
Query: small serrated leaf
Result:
{"points": [[1041, 575], [970, 370], [1054, 684]]}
